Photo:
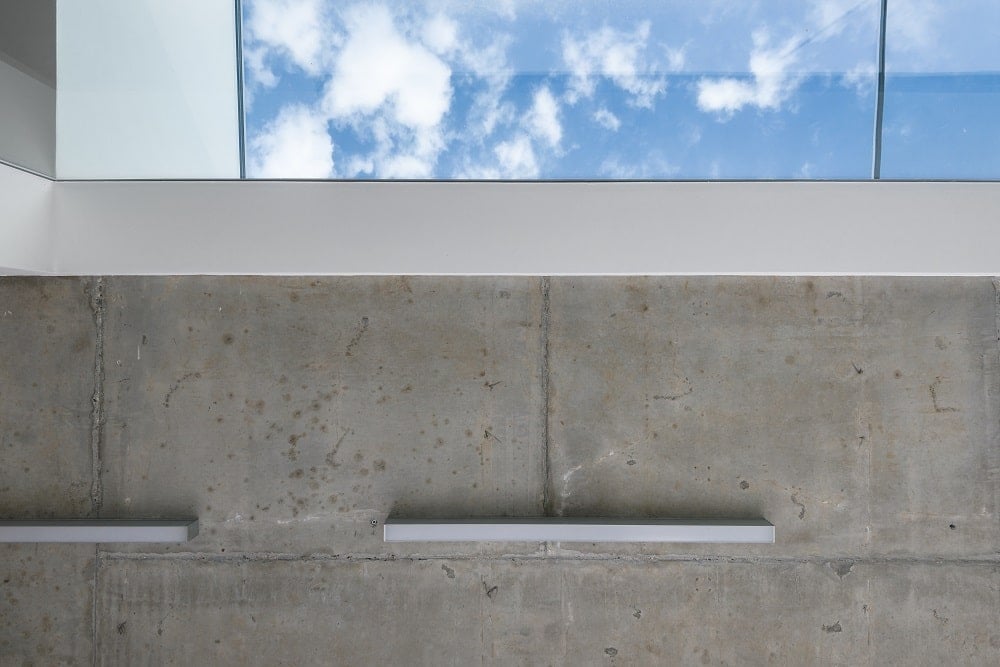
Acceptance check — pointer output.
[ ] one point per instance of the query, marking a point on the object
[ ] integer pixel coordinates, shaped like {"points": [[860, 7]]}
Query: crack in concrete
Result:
{"points": [[545, 324], [97, 307], [93, 608], [97, 418], [994, 452], [996, 304]]}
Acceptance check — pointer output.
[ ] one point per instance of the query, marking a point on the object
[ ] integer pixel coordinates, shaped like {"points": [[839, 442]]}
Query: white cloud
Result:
{"points": [[296, 144], [405, 166], [399, 152], [517, 158], [773, 80], [616, 55], [828, 15], [292, 27], [651, 166], [912, 25], [861, 78], [440, 34], [543, 118], [359, 166], [393, 89], [378, 67], [606, 119], [477, 172], [676, 58], [489, 64], [727, 95], [773, 76], [258, 74]]}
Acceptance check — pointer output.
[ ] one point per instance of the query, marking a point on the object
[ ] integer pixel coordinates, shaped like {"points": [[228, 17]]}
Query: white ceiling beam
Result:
{"points": [[666, 228]]}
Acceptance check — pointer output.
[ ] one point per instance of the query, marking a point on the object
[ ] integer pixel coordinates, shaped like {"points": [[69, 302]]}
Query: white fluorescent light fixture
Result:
{"points": [[92, 531], [744, 531]]}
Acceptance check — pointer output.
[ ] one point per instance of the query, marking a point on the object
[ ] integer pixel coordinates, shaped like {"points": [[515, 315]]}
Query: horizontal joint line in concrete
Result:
{"points": [[259, 556]]}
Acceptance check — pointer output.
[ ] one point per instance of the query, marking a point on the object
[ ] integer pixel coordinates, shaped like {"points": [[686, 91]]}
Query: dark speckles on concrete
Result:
{"points": [[293, 414], [566, 612], [48, 334], [343, 392], [859, 423], [46, 594]]}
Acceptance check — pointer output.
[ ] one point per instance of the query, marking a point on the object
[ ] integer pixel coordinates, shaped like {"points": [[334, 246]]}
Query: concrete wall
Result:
{"points": [[859, 415]]}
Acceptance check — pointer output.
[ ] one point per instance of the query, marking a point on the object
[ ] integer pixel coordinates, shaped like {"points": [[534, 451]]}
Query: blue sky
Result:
{"points": [[618, 89]]}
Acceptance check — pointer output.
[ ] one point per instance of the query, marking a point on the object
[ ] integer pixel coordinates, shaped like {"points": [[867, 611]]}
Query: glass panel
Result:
{"points": [[585, 89], [147, 89], [942, 90]]}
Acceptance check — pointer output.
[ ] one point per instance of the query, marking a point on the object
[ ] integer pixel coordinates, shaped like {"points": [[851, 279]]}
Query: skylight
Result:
{"points": [[584, 89], [942, 90], [505, 90]]}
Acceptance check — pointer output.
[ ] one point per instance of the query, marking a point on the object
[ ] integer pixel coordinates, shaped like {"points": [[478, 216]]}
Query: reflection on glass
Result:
{"points": [[577, 90], [942, 90]]}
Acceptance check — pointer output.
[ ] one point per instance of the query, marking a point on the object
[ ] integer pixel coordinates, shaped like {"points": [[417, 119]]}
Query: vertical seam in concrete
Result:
{"points": [[994, 450], [93, 607], [97, 398], [97, 306], [863, 412], [545, 324]]}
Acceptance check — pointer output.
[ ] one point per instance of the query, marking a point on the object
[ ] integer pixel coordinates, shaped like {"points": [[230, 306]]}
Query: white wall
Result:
{"points": [[26, 222], [27, 121], [147, 89], [260, 227]]}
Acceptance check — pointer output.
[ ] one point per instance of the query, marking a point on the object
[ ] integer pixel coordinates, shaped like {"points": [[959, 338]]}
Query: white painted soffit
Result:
{"points": [[624, 228], [26, 223]]}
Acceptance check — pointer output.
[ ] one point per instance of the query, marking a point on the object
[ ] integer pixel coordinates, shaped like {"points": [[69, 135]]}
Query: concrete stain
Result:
{"points": [[801, 506]]}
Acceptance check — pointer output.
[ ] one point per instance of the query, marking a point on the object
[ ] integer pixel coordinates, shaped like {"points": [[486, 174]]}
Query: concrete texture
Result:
{"points": [[46, 389], [288, 415], [860, 415], [46, 603], [46, 385], [461, 612]]}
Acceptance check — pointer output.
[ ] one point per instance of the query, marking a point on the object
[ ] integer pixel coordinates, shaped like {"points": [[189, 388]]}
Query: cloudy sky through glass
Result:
{"points": [[583, 89]]}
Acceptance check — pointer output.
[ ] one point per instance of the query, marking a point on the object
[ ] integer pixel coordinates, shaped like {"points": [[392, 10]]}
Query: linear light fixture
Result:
{"points": [[579, 530], [110, 530]]}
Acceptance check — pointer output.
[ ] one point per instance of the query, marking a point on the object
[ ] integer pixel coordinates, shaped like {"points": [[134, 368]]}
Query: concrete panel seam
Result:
{"points": [[840, 564], [545, 323], [97, 417], [93, 607], [994, 451], [97, 307]]}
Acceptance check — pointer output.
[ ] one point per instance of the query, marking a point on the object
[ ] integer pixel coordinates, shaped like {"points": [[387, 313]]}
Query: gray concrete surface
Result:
{"points": [[462, 612], [290, 414], [860, 415]]}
